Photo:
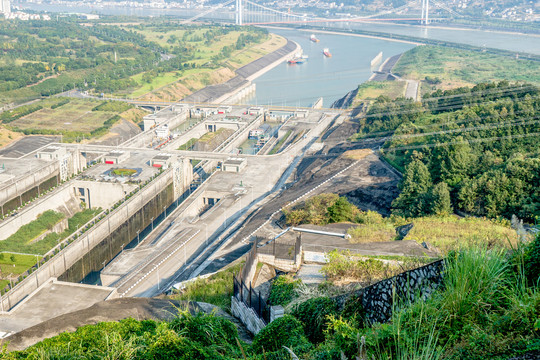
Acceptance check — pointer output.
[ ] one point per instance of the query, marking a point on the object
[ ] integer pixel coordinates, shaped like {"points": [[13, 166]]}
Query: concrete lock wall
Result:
{"points": [[93, 237], [61, 200], [101, 194], [242, 136], [125, 232], [25, 182]]}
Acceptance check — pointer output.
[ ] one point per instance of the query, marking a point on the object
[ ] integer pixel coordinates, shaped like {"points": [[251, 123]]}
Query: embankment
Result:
{"points": [[244, 75]]}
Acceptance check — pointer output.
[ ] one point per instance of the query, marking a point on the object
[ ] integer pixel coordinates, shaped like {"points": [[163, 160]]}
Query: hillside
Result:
{"points": [[470, 149]]}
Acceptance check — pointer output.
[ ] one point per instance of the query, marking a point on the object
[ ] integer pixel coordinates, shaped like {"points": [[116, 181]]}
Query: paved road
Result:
{"points": [[27, 145]]}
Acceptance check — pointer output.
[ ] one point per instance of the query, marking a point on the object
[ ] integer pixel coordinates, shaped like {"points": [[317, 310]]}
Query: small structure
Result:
{"points": [[116, 157], [234, 164], [162, 132], [224, 109], [162, 160], [255, 110], [255, 133], [52, 153], [301, 113], [149, 122]]}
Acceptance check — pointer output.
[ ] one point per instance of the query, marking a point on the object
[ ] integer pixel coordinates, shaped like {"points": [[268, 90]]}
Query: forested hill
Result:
{"points": [[475, 150]]}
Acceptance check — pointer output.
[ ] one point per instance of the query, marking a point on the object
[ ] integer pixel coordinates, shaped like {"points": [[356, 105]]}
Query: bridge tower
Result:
{"points": [[239, 12], [425, 12]]}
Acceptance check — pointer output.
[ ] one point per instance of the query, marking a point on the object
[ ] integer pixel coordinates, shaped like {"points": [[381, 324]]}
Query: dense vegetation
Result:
{"points": [[470, 149], [492, 315], [43, 58], [446, 232]]}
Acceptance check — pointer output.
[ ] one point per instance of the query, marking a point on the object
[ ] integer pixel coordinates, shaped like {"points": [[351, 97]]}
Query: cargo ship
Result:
{"points": [[296, 60], [326, 52], [313, 38], [299, 58]]}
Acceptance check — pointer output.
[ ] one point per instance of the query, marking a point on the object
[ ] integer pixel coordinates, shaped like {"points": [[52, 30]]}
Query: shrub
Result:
{"points": [[284, 331], [313, 314], [283, 290], [206, 329], [532, 261]]}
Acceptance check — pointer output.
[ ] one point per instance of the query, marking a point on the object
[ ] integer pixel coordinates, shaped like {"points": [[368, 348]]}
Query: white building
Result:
{"points": [[5, 7]]}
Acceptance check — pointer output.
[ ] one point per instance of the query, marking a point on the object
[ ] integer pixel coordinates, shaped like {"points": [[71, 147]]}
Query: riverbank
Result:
{"points": [[419, 41], [244, 75]]}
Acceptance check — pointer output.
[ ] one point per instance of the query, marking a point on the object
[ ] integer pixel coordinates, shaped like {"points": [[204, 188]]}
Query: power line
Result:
{"points": [[460, 142]]}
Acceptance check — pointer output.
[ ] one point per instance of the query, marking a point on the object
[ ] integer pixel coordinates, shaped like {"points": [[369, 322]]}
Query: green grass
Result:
{"points": [[20, 241], [373, 89], [453, 232], [188, 145], [455, 67], [11, 269], [157, 82], [77, 115], [280, 143], [30, 231], [124, 172], [216, 289]]}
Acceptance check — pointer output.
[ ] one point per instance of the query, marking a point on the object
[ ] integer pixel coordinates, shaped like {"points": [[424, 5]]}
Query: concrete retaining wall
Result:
{"points": [[99, 194], [62, 200], [125, 223], [93, 237], [28, 181], [247, 316], [245, 91], [280, 264]]}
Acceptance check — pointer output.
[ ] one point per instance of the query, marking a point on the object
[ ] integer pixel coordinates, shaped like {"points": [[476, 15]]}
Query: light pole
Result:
{"points": [[138, 239]]}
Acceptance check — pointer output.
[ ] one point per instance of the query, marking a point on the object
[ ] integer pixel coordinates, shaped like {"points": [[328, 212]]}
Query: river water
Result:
{"points": [[330, 78], [320, 76]]}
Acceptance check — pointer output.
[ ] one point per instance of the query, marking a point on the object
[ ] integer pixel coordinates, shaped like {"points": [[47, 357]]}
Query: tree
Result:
{"points": [[12, 257], [440, 203], [342, 210], [414, 189]]}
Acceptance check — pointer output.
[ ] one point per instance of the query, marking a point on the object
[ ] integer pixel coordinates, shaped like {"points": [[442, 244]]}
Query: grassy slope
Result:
{"points": [[216, 289], [373, 89], [173, 85], [456, 67], [19, 242], [77, 115], [12, 269]]}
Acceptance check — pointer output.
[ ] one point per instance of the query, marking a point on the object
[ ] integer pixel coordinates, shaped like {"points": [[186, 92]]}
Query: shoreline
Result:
{"points": [[336, 32], [460, 29], [220, 93]]}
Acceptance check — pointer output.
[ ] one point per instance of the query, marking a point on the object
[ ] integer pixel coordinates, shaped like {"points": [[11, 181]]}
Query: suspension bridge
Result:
{"points": [[248, 12]]}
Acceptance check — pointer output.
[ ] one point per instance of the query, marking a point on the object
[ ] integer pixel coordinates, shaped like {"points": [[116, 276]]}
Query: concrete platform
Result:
{"points": [[44, 304]]}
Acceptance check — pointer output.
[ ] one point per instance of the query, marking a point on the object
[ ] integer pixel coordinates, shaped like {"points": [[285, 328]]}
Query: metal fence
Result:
{"points": [[253, 299], [243, 291]]}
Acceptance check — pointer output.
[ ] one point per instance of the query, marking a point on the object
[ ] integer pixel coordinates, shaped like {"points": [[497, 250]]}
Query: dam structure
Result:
{"points": [[162, 198]]}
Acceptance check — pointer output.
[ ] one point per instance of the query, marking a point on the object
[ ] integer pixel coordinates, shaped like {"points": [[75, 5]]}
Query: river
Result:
{"points": [[320, 76], [330, 78]]}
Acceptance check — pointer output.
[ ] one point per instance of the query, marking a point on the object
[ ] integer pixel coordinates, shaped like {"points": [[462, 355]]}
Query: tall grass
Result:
{"points": [[475, 281]]}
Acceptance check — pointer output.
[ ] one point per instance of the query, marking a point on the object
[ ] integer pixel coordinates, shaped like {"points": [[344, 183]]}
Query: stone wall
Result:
{"points": [[247, 315], [378, 299]]}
